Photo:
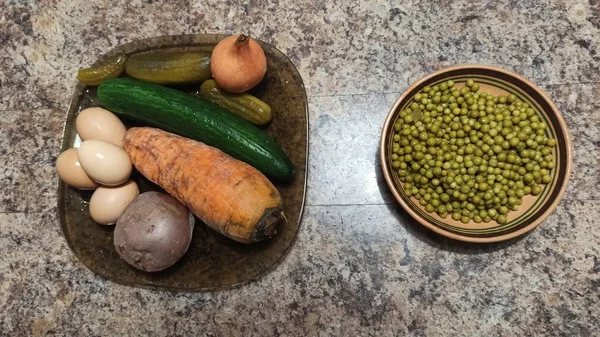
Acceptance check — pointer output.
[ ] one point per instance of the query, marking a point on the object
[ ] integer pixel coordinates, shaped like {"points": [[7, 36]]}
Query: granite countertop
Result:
{"points": [[360, 266]]}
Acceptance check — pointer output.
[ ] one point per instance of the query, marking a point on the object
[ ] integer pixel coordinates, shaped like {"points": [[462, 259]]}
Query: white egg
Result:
{"points": [[104, 162], [108, 203], [70, 171], [98, 123]]}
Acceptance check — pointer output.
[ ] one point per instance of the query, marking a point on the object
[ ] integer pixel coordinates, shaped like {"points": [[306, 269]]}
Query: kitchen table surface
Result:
{"points": [[360, 265]]}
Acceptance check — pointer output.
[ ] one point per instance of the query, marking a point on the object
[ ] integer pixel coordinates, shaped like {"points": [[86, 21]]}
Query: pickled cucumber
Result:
{"points": [[170, 67], [95, 75], [244, 105]]}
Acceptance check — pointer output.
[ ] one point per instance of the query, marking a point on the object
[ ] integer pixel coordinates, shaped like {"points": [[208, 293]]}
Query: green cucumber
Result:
{"points": [[190, 116]]}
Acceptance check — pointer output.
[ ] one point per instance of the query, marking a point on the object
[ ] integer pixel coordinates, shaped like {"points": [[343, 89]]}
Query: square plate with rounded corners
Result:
{"points": [[213, 261]]}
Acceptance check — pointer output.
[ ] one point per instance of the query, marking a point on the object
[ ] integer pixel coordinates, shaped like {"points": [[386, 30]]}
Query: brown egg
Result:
{"points": [[98, 123], [104, 162], [70, 171], [108, 203]]}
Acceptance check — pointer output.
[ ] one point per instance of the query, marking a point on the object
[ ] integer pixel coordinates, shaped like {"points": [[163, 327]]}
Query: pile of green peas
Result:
{"points": [[468, 154]]}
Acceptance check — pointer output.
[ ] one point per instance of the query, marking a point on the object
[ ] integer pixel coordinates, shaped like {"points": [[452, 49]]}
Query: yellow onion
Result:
{"points": [[238, 63]]}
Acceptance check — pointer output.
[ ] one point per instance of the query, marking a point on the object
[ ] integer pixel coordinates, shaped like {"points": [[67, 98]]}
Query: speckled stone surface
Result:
{"points": [[360, 266]]}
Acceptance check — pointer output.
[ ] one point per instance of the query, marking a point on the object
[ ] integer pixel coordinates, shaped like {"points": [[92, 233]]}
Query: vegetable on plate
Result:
{"points": [[193, 117], [228, 195], [238, 63], [95, 75], [154, 232], [244, 105], [170, 67]]}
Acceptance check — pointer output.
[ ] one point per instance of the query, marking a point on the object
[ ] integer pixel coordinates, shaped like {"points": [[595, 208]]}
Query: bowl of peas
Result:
{"points": [[476, 153]]}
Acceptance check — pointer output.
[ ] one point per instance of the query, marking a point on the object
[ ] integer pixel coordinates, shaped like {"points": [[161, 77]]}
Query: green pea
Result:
{"points": [[470, 151]]}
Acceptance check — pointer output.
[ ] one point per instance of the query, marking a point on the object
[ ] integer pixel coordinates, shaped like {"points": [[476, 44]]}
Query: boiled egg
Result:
{"points": [[98, 123], [70, 171], [108, 203], [104, 162]]}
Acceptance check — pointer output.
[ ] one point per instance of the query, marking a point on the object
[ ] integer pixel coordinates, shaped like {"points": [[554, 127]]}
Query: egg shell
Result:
{"points": [[70, 171], [104, 162], [108, 203], [98, 123]]}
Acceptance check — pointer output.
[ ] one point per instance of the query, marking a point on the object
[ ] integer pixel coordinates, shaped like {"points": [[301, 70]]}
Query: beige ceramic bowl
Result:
{"points": [[534, 209]]}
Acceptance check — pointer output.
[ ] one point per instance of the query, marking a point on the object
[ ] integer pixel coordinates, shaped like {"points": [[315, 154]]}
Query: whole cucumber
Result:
{"points": [[193, 117], [170, 67]]}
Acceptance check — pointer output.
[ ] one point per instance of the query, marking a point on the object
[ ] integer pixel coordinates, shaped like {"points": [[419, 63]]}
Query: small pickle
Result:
{"points": [[114, 67], [244, 105], [170, 67]]}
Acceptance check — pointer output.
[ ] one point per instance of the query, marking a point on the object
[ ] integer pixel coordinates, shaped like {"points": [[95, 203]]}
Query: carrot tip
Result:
{"points": [[267, 225]]}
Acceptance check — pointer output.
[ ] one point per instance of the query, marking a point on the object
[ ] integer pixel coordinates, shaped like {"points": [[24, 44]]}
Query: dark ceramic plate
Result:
{"points": [[212, 261]]}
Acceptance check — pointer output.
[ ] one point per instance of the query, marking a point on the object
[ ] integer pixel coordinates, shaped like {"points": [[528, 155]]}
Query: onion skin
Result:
{"points": [[238, 63]]}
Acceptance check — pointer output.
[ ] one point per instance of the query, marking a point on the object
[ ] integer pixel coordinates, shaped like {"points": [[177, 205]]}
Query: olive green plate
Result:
{"points": [[212, 261], [534, 209]]}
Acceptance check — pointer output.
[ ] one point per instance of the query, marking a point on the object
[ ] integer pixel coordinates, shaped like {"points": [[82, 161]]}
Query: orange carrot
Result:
{"points": [[229, 195]]}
